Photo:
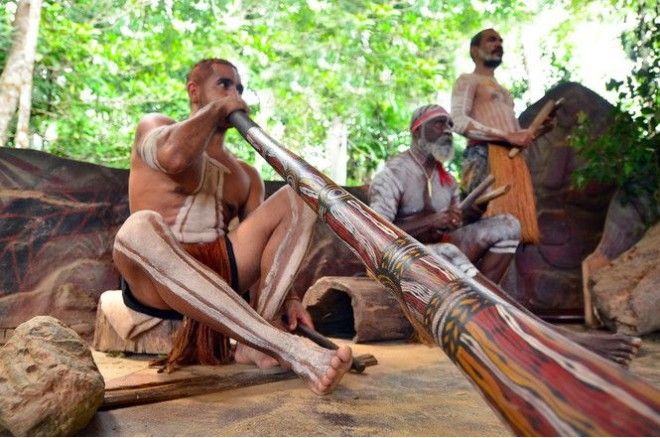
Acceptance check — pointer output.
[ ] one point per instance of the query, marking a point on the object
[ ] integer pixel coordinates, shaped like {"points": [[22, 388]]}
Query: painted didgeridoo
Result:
{"points": [[539, 382]]}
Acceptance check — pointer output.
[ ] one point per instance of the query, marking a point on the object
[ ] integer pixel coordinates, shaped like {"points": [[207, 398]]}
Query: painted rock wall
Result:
{"points": [[58, 219], [547, 277]]}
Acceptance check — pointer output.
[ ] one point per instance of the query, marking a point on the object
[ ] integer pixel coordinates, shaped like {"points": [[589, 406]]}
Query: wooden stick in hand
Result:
{"points": [[476, 192], [495, 193], [547, 110]]}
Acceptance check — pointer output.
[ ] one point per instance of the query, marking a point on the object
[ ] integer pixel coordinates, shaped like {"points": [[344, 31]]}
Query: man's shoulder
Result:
{"points": [[463, 77], [153, 120], [156, 118], [397, 166], [395, 163]]}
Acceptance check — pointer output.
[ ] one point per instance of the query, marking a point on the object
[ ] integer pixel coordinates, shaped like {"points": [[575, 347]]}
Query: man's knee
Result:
{"points": [[137, 223], [508, 234], [455, 256], [297, 206], [510, 226]]}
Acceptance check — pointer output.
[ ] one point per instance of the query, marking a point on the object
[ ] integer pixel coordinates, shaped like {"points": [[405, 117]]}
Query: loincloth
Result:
{"points": [[480, 159], [217, 255]]}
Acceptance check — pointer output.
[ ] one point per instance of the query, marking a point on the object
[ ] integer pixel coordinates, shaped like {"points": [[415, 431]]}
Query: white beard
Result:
{"points": [[442, 149]]}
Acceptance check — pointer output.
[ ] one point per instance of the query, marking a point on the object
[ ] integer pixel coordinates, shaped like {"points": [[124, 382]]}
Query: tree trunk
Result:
{"points": [[16, 78]]}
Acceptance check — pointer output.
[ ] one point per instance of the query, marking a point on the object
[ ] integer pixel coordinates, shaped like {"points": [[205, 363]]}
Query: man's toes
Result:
{"points": [[344, 354]]}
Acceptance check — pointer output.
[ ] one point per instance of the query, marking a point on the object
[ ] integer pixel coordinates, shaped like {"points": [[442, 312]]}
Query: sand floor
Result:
{"points": [[413, 391]]}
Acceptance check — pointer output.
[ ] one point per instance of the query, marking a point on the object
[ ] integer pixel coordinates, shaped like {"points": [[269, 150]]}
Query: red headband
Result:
{"points": [[435, 112]]}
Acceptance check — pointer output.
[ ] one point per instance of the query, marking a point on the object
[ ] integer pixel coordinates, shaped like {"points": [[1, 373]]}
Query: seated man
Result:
{"points": [[416, 193], [178, 258]]}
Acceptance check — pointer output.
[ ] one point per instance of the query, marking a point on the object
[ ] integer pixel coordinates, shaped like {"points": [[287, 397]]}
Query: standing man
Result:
{"points": [[483, 111], [176, 253], [416, 193]]}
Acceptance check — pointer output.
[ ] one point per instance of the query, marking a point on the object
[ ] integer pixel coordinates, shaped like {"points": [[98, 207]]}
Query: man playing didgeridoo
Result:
{"points": [[416, 193], [483, 111], [178, 258]]}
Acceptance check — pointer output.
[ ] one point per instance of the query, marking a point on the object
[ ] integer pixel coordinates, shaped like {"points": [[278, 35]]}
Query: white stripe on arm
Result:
{"points": [[147, 149]]}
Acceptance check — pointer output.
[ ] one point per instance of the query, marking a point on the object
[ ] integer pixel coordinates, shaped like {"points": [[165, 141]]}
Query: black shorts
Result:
{"points": [[133, 304]]}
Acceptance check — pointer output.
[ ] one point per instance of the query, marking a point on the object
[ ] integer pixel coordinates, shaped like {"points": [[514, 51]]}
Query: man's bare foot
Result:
{"points": [[615, 347], [248, 356], [337, 362]]}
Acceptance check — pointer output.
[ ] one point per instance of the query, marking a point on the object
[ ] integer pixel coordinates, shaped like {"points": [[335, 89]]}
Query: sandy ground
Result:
{"points": [[413, 391]]}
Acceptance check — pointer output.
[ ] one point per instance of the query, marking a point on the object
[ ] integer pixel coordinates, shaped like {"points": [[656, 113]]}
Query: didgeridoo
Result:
{"points": [[538, 381]]}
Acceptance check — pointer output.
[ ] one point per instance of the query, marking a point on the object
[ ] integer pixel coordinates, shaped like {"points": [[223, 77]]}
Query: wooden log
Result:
{"points": [[356, 306], [537, 380], [153, 392]]}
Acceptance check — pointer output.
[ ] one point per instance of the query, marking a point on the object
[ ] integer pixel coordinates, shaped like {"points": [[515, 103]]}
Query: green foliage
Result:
{"points": [[366, 64], [626, 155]]}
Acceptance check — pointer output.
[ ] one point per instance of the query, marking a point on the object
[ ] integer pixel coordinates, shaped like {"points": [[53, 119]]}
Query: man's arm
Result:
{"points": [[171, 146], [385, 192], [431, 225], [462, 102]]}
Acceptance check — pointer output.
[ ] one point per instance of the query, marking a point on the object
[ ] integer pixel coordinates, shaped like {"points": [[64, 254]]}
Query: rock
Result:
{"points": [[626, 294], [625, 223], [546, 278], [49, 383]]}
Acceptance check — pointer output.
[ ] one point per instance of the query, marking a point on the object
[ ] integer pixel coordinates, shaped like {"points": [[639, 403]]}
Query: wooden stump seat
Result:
{"points": [[120, 329]]}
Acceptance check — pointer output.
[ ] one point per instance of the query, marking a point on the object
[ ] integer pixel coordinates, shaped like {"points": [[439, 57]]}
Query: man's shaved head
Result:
{"points": [[204, 68], [476, 39]]}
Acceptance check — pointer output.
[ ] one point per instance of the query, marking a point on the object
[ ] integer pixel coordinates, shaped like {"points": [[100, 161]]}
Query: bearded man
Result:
{"points": [[483, 112], [417, 194]]}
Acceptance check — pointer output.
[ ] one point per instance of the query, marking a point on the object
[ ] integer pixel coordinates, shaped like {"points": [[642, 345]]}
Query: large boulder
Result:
{"points": [[546, 278], [626, 294], [49, 383], [58, 219]]}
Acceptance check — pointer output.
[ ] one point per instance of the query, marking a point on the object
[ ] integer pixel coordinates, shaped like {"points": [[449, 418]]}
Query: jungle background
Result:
{"points": [[335, 81]]}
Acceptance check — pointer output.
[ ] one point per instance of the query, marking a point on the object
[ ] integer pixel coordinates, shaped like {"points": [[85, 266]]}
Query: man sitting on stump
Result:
{"points": [[178, 257], [416, 193]]}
